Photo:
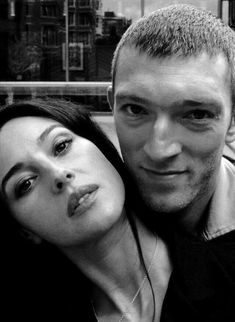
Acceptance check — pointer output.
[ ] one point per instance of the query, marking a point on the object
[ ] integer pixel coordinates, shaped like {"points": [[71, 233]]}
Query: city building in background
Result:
{"points": [[65, 47], [33, 40]]}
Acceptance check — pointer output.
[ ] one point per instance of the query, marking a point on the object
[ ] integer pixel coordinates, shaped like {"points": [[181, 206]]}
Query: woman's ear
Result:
{"points": [[110, 97], [31, 237], [230, 135]]}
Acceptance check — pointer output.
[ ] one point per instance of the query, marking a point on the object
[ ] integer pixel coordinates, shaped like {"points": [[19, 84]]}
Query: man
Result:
{"points": [[172, 97]]}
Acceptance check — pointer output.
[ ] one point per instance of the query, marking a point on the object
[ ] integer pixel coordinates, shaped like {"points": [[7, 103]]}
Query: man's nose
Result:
{"points": [[162, 142]]}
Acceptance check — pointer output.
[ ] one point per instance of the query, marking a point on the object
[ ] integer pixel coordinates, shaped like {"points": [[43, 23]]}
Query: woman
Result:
{"points": [[64, 187]]}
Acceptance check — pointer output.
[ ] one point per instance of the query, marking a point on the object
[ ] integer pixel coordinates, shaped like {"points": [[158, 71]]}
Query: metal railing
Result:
{"points": [[39, 89]]}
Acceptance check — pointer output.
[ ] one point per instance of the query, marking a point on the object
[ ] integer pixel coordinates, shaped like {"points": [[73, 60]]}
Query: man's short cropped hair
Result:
{"points": [[180, 30]]}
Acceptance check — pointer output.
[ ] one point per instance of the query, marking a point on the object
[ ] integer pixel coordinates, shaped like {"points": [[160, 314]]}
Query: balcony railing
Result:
{"points": [[10, 90], [39, 89]]}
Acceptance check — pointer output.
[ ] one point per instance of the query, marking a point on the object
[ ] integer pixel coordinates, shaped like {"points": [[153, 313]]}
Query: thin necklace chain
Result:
{"points": [[137, 292]]}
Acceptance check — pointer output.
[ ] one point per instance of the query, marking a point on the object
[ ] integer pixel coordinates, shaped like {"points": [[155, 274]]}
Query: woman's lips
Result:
{"points": [[82, 199]]}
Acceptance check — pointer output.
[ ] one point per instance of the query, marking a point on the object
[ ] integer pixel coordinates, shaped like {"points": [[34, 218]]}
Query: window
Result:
{"points": [[97, 5], [72, 18], [27, 32], [73, 36], [97, 24], [84, 38], [28, 9], [75, 56], [84, 20], [72, 3], [48, 36], [85, 3], [12, 8], [48, 10]]}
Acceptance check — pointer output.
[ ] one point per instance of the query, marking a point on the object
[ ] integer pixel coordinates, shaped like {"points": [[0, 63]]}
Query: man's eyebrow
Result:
{"points": [[194, 102], [203, 103], [199, 102], [191, 103], [13, 170], [46, 132], [134, 98]]}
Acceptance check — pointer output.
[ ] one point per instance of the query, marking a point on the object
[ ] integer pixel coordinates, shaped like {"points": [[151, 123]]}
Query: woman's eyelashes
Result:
{"points": [[61, 146], [24, 186]]}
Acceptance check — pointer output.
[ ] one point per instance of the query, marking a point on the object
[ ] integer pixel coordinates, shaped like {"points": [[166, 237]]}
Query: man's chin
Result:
{"points": [[166, 205]]}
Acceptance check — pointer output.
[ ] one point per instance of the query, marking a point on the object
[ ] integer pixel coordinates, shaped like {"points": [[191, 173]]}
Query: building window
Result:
{"points": [[72, 18], [48, 36], [85, 3], [75, 56], [84, 20], [85, 39], [72, 3], [27, 32], [48, 10], [72, 36], [97, 5], [28, 10]]}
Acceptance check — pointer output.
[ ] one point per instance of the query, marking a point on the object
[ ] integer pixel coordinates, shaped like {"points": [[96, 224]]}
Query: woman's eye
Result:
{"points": [[62, 147], [23, 187]]}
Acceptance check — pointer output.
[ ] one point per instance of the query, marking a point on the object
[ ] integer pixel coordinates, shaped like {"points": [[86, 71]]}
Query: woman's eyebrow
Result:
{"points": [[46, 132], [13, 170]]}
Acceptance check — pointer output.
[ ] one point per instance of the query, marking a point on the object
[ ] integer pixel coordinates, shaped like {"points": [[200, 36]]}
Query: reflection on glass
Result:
{"points": [[33, 37]]}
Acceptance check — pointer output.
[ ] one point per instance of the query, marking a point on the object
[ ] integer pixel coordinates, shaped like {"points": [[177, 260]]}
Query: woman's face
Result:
{"points": [[58, 185]]}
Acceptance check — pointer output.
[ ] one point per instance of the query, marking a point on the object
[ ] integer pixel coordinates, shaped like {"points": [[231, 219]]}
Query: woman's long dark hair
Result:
{"points": [[79, 121]]}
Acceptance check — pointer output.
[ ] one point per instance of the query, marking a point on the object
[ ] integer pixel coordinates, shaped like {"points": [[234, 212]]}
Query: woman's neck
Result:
{"points": [[113, 264]]}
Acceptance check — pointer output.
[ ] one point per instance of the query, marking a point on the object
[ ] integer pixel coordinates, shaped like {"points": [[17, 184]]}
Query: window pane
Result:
{"points": [[95, 27], [36, 46]]}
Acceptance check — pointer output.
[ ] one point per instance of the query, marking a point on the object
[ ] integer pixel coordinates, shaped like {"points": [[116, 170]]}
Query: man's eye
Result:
{"points": [[61, 147], [200, 115], [135, 110], [23, 187]]}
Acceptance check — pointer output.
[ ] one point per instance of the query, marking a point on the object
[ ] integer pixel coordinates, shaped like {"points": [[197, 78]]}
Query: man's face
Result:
{"points": [[172, 117]]}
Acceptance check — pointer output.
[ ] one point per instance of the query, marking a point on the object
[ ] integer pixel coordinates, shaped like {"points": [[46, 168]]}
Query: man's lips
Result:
{"points": [[81, 199], [164, 173]]}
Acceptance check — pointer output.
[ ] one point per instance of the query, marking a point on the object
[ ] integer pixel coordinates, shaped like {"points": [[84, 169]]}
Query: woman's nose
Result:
{"points": [[61, 179]]}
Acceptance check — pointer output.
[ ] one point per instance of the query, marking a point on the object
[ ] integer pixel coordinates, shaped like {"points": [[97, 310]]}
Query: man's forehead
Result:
{"points": [[129, 55]]}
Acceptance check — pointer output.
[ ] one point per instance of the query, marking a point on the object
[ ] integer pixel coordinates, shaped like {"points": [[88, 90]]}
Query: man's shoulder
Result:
{"points": [[229, 151], [221, 216], [230, 159]]}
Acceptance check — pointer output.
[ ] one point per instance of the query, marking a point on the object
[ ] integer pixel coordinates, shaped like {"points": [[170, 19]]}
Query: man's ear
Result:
{"points": [[110, 97], [31, 237], [230, 136]]}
